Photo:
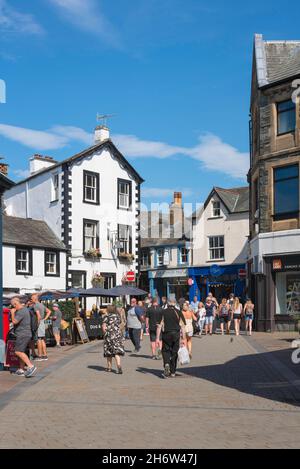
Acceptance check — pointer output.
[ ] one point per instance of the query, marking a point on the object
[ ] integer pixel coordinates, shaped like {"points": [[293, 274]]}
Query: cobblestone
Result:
{"points": [[229, 397]]}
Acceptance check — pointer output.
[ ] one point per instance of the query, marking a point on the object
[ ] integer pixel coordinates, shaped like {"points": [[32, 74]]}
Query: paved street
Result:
{"points": [[229, 397]]}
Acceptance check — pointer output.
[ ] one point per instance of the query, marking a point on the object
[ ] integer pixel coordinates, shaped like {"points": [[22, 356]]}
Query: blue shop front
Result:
{"points": [[219, 280], [171, 283]]}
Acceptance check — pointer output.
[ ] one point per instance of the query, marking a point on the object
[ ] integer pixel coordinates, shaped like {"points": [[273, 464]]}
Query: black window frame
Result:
{"points": [[124, 181], [30, 260], [97, 176], [280, 112], [108, 275], [84, 222], [57, 253], [285, 215], [130, 239]]}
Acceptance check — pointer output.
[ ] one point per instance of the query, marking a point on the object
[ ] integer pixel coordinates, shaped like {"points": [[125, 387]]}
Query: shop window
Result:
{"points": [[288, 293], [286, 192], [286, 117]]}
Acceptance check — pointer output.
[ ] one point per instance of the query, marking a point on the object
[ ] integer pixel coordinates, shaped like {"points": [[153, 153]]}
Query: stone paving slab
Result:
{"points": [[230, 396]]}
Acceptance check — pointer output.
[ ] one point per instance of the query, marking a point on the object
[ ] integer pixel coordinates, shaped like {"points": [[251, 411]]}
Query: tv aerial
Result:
{"points": [[103, 118]]}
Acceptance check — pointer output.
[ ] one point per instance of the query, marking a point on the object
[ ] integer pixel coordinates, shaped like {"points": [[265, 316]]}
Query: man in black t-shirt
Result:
{"points": [[153, 317], [172, 322]]}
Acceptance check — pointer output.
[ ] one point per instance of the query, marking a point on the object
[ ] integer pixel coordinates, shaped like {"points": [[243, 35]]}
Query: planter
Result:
{"points": [[92, 256], [126, 257]]}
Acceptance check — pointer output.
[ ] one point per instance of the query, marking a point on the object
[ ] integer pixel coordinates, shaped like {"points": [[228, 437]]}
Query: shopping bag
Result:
{"points": [[183, 356]]}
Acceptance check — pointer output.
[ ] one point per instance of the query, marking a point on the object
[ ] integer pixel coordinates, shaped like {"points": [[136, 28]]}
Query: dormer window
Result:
{"points": [[216, 209], [286, 117]]}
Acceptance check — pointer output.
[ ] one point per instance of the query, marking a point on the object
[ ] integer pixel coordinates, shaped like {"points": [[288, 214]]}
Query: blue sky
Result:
{"points": [[175, 72]]}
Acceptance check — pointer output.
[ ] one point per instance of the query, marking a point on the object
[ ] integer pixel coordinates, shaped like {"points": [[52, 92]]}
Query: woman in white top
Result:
{"points": [[237, 315], [189, 317], [201, 313]]}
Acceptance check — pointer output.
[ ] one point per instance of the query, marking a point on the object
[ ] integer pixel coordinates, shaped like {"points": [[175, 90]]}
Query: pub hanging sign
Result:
{"points": [[286, 264]]}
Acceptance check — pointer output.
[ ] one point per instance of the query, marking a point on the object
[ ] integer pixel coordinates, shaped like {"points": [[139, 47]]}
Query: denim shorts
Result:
{"points": [[249, 317], [209, 320]]}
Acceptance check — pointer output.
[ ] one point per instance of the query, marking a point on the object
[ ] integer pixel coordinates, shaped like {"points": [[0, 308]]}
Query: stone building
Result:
{"points": [[274, 252]]}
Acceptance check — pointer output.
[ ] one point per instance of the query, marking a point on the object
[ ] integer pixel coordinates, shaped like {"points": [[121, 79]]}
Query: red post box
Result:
{"points": [[5, 319]]}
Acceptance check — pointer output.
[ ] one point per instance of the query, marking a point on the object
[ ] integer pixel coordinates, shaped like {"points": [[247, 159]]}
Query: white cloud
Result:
{"points": [[37, 139], [88, 16], [153, 192], [211, 151], [21, 173], [14, 21]]}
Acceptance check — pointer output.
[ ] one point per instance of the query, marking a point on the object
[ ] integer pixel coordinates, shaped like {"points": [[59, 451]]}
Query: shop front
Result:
{"points": [[171, 283], [219, 280], [286, 276]]}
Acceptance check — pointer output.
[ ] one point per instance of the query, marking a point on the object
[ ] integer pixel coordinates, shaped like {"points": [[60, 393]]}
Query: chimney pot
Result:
{"points": [[101, 133]]}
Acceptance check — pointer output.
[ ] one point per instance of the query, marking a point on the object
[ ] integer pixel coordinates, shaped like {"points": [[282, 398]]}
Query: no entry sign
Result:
{"points": [[130, 276]]}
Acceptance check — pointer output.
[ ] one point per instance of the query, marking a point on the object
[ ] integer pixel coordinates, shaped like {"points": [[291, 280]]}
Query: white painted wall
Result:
{"points": [[28, 284], [32, 199], [234, 227], [101, 162]]}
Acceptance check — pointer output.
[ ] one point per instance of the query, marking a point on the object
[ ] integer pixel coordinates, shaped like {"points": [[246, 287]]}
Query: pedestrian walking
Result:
{"points": [[224, 316], [195, 304], [164, 302], [134, 324], [172, 322], [237, 315], [56, 325], [142, 307], [113, 339], [201, 317], [153, 316], [249, 315], [21, 319], [210, 308], [189, 316], [44, 314]]}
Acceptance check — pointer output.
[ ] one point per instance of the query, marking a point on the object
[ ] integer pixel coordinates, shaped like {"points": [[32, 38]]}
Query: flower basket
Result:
{"points": [[126, 257], [98, 281], [93, 254]]}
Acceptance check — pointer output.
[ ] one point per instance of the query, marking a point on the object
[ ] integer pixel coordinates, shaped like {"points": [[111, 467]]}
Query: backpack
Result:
{"points": [[34, 323]]}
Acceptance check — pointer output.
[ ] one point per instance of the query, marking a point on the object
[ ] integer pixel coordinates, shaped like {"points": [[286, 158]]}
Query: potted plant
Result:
{"points": [[93, 254], [98, 280], [127, 257]]}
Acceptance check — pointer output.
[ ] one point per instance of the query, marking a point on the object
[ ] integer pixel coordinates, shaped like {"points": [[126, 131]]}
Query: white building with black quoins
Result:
{"points": [[92, 203]]}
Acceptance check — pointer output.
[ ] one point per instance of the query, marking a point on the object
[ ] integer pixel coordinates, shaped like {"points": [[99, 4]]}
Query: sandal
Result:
{"points": [[108, 370]]}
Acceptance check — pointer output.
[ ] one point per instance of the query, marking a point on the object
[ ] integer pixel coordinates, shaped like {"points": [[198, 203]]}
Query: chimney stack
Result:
{"points": [[101, 133], [39, 162], [177, 215], [4, 169]]}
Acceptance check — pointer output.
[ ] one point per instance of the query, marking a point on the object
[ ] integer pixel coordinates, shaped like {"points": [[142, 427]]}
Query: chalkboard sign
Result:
{"points": [[81, 330], [94, 328], [11, 360]]}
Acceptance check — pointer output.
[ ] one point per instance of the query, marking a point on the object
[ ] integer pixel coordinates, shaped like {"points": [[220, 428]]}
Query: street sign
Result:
{"points": [[242, 273], [130, 276]]}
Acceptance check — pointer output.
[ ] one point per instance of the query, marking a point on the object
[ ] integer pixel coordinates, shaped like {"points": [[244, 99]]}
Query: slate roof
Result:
{"points": [[87, 152], [276, 60], [158, 242], [236, 200], [30, 233]]}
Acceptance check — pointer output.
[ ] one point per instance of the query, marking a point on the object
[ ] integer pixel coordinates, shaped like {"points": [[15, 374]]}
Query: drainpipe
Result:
{"points": [[26, 200]]}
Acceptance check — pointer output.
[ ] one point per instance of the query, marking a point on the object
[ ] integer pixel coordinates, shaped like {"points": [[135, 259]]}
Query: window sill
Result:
{"points": [[216, 218], [215, 260], [52, 202], [90, 203], [286, 216], [284, 134], [124, 209]]}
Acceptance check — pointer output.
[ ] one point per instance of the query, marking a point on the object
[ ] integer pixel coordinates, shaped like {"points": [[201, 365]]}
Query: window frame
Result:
{"points": [[97, 188], [97, 224], [55, 188], [29, 260], [214, 248], [129, 183], [180, 249], [279, 113], [145, 253], [285, 215], [57, 263], [128, 241], [214, 202]]}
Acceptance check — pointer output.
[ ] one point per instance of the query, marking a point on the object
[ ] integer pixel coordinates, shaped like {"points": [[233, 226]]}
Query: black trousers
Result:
{"points": [[171, 344], [135, 337]]}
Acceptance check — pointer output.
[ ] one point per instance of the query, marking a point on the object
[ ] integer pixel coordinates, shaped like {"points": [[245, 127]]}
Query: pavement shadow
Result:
{"points": [[250, 374], [97, 368]]}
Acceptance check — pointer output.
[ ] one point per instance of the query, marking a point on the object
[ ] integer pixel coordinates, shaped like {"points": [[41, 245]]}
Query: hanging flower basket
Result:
{"points": [[98, 281], [126, 257], [93, 254]]}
